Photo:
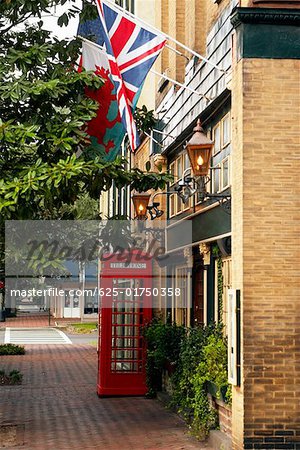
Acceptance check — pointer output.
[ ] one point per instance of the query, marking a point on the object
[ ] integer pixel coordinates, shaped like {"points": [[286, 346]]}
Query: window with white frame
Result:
{"points": [[116, 201], [217, 138], [177, 167], [226, 131], [226, 285], [181, 304], [127, 4], [225, 175], [221, 134], [234, 356], [172, 197]]}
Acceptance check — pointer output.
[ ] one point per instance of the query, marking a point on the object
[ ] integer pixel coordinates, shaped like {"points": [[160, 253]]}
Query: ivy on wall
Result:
{"points": [[196, 357]]}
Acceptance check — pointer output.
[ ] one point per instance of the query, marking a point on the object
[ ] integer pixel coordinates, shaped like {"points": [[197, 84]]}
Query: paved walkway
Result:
{"points": [[35, 336], [58, 405], [34, 320]]}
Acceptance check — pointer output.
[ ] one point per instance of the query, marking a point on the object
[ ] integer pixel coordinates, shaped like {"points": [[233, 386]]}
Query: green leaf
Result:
{"points": [[63, 20]]}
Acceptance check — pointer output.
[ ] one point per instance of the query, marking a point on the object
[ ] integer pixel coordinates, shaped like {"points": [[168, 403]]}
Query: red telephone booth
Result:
{"points": [[126, 306]]}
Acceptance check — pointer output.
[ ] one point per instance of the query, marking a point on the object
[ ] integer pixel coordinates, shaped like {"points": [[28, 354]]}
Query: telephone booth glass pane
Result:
{"points": [[127, 317]]}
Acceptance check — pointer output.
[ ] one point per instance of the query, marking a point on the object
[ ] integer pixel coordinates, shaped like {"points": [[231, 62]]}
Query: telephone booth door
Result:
{"points": [[126, 306]]}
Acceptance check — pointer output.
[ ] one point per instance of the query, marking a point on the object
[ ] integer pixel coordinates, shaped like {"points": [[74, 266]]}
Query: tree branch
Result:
{"points": [[21, 20]]}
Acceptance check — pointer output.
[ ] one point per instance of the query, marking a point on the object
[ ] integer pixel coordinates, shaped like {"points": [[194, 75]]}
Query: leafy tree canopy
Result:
{"points": [[43, 112]]}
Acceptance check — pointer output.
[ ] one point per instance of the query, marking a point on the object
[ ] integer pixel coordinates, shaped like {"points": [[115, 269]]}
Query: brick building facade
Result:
{"points": [[260, 49], [253, 118], [265, 187]]}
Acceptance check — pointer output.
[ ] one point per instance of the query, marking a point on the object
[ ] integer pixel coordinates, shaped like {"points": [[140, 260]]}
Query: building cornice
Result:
{"points": [[271, 16], [268, 33]]}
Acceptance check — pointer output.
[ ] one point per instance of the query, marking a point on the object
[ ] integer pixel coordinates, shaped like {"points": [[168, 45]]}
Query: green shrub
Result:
{"points": [[14, 377], [189, 357], [211, 368], [199, 356], [163, 348], [11, 349], [214, 364]]}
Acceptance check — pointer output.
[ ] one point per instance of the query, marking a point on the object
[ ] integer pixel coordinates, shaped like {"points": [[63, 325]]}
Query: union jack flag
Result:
{"points": [[131, 51]]}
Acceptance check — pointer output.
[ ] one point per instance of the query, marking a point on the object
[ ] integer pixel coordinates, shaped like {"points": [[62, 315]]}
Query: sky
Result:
{"points": [[50, 21]]}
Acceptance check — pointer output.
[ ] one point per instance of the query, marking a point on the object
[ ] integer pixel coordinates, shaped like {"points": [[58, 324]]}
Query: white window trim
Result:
{"points": [[218, 125], [175, 308], [214, 171], [188, 205], [172, 196], [227, 158], [225, 144], [232, 336]]}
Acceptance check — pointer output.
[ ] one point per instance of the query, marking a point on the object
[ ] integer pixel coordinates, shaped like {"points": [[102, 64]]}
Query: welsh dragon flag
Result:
{"points": [[106, 130]]}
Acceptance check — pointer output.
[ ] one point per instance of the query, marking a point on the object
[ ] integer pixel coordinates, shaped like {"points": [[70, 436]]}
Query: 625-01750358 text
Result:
{"points": [[139, 292]]}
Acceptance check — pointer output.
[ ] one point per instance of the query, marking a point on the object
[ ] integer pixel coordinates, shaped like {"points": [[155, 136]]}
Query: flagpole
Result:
{"points": [[177, 51], [179, 84], [170, 38], [90, 42], [163, 133], [154, 140], [152, 71]]}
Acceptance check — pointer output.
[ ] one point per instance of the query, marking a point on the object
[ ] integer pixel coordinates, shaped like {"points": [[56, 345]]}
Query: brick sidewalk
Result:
{"points": [[58, 404], [34, 321], [39, 320]]}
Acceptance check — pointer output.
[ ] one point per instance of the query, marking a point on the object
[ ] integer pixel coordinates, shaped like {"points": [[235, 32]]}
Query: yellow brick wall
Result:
{"points": [[266, 252], [199, 10], [172, 31], [181, 37], [162, 23], [237, 231]]}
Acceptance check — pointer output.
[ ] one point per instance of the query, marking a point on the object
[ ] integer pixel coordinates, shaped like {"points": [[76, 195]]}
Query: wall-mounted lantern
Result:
{"points": [[199, 149], [140, 202]]}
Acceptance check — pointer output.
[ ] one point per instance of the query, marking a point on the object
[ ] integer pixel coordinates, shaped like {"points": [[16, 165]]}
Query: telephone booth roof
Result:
{"points": [[127, 262]]}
